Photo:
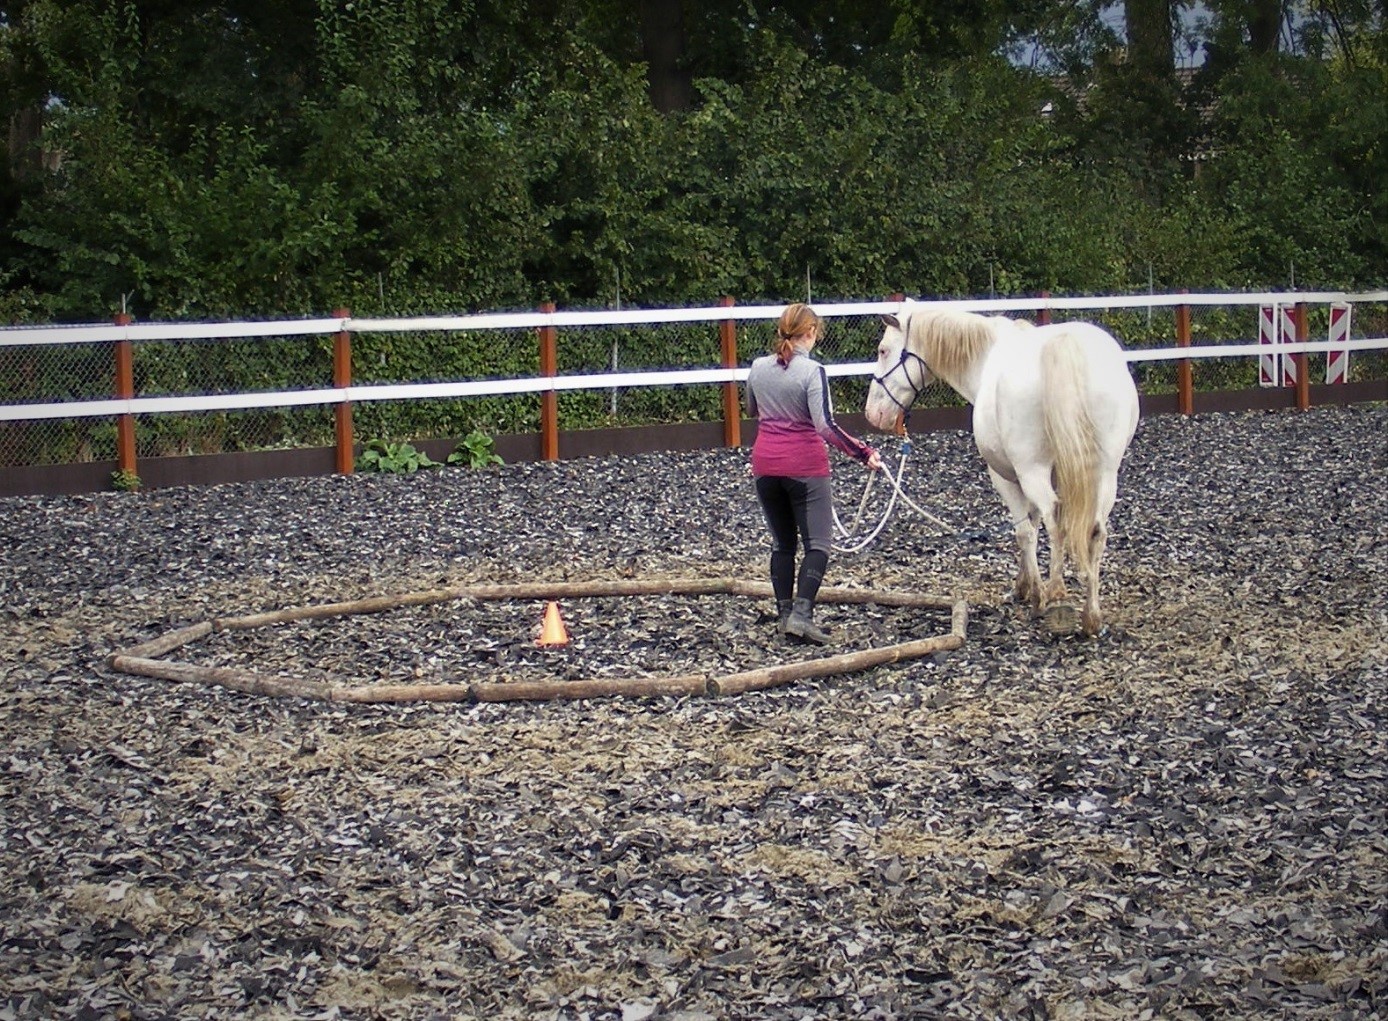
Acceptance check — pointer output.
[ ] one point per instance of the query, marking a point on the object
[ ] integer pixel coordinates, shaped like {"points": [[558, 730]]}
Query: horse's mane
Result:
{"points": [[950, 341]]}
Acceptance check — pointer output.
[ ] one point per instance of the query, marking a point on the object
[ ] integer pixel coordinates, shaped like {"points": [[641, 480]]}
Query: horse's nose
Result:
{"points": [[880, 418]]}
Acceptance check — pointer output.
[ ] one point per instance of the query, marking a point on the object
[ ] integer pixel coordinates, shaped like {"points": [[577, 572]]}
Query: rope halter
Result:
{"points": [[903, 364]]}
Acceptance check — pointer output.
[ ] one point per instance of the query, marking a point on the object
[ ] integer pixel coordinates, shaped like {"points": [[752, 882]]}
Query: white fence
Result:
{"points": [[1233, 347]]}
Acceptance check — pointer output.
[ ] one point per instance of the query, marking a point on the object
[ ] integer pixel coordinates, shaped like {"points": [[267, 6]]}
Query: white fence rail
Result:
{"points": [[15, 337]]}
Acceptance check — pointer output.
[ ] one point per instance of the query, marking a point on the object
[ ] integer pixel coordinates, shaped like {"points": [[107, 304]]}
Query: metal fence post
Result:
{"points": [[549, 399], [1185, 384], [125, 390], [342, 378], [732, 407]]}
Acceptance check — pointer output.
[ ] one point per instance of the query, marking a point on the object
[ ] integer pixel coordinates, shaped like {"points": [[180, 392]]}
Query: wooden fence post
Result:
{"points": [[342, 378], [549, 399], [125, 390], [1185, 385], [1043, 314], [732, 407], [1303, 363]]}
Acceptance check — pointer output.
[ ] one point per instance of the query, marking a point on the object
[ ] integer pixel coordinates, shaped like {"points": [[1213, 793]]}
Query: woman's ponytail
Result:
{"points": [[796, 320]]}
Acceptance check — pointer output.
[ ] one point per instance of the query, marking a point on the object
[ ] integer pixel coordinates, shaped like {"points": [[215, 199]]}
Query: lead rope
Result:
{"points": [[857, 546]]}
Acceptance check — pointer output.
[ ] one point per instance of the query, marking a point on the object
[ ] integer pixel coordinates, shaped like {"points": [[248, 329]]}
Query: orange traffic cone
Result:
{"points": [[553, 632]]}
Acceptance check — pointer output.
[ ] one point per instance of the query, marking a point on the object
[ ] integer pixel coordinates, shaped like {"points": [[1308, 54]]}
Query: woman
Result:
{"points": [[788, 393]]}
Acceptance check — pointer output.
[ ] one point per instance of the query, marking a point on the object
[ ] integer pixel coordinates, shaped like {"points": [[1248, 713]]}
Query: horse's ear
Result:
{"points": [[892, 321]]}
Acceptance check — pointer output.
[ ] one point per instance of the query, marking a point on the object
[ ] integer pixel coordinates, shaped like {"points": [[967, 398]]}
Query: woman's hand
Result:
{"points": [[874, 461]]}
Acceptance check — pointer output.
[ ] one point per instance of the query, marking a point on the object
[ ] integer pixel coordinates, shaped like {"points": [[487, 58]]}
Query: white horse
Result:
{"points": [[1054, 409]]}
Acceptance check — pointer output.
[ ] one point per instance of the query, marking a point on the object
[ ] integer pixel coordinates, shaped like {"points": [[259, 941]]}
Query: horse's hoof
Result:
{"points": [[1061, 619], [1031, 602]]}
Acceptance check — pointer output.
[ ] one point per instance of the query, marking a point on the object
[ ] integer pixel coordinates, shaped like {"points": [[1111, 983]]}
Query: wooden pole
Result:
{"points": [[245, 681], [1303, 363], [549, 400], [342, 378], [629, 687], [547, 590], [681, 686], [125, 390], [732, 407], [430, 597], [849, 662], [140, 659], [166, 643], [1043, 315], [1185, 386], [857, 596]]}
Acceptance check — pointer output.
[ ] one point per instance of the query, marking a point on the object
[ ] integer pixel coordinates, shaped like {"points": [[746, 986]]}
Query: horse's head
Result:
{"points": [[901, 375]]}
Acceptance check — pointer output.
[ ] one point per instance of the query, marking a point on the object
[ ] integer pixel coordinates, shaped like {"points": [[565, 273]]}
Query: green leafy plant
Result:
{"points": [[474, 451], [393, 458], [125, 481]]}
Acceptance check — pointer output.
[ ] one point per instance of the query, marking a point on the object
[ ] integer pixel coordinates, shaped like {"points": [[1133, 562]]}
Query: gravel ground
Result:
{"points": [[1183, 818]]}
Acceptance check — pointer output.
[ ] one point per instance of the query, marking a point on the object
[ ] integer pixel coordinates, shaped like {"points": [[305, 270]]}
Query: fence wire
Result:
{"points": [[54, 374]]}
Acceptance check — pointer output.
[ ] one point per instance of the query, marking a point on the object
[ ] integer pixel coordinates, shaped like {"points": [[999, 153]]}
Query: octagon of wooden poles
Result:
{"points": [[145, 659]]}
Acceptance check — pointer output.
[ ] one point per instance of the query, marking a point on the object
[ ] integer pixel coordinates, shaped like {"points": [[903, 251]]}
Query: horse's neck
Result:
{"points": [[958, 364], [965, 380]]}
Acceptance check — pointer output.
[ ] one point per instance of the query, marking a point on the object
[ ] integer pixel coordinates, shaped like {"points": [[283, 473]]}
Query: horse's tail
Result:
{"points": [[1073, 441]]}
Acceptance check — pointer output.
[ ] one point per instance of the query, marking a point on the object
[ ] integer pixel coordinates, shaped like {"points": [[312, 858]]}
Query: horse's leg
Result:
{"points": [[1091, 619], [1061, 616], [1028, 585], [1055, 591], [1036, 484]]}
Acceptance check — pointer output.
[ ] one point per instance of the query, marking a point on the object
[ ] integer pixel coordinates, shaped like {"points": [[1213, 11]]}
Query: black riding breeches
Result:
{"points": [[798, 510]]}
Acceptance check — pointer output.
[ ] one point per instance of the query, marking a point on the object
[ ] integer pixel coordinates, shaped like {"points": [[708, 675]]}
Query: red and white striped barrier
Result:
{"points": [[1287, 321], [1267, 336], [1337, 359]]}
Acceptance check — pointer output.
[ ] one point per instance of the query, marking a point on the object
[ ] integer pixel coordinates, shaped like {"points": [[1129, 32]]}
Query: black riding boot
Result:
{"points": [[783, 611], [801, 623]]}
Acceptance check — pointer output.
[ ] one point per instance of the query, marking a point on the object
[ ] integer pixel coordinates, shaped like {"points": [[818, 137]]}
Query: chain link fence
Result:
{"points": [[41, 373], [57, 373], [73, 372], [228, 366]]}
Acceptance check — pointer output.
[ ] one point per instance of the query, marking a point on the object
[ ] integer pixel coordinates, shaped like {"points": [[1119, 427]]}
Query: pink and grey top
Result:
{"points": [[795, 418]]}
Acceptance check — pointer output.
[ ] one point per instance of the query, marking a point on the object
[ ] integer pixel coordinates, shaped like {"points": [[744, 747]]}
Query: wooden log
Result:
{"points": [[140, 659], [237, 680], [883, 597], [366, 693], [628, 687], [544, 590], [600, 587], [857, 596], [847, 663], [520, 591], [166, 643], [374, 604], [959, 620]]}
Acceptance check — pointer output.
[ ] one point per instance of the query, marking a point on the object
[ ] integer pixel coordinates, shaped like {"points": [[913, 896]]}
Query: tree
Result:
{"points": [[663, 47], [1150, 51], [684, 40]]}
